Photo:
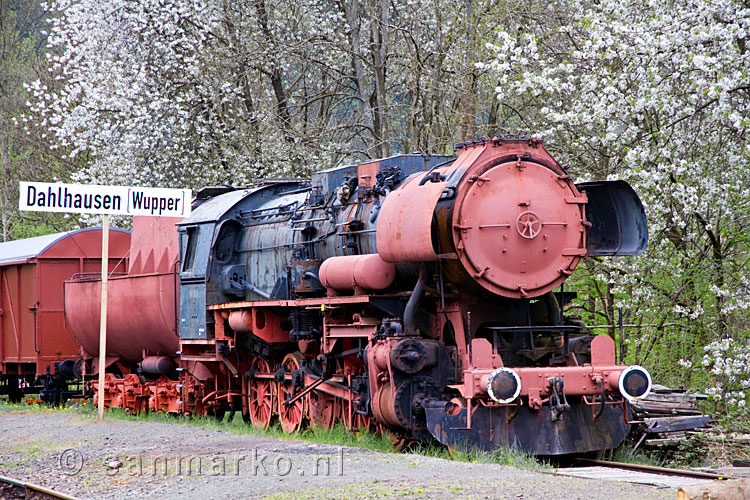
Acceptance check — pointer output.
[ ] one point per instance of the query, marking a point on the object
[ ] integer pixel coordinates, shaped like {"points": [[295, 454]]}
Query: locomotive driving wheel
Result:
{"points": [[291, 416], [356, 421], [360, 423], [261, 401], [322, 410]]}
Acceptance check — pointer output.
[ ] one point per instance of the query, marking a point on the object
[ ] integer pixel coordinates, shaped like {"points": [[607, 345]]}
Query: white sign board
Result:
{"points": [[113, 200]]}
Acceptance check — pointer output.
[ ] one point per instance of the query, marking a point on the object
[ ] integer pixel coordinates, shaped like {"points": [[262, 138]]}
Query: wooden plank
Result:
{"points": [[726, 490], [680, 424], [630, 476]]}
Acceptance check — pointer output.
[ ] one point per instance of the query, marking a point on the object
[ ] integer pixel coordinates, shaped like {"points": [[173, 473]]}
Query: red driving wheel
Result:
{"points": [[290, 416], [261, 396]]}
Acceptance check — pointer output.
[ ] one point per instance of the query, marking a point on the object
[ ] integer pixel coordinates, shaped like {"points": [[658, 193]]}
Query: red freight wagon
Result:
{"points": [[37, 351]]}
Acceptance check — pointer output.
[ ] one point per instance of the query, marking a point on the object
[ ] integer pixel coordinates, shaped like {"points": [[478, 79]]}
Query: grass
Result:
{"points": [[6, 406], [625, 454], [504, 455], [337, 436]]}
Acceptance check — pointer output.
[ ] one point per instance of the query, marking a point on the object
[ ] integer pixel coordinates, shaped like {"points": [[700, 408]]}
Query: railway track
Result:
{"points": [[660, 477], [12, 489]]}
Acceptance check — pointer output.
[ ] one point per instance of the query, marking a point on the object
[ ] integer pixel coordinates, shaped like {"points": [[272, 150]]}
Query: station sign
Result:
{"points": [[112, 200], [106, 200]]}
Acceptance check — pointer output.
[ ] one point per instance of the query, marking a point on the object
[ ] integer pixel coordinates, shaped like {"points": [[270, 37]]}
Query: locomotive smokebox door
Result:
{"points": [[518, 228], [618, 221]]}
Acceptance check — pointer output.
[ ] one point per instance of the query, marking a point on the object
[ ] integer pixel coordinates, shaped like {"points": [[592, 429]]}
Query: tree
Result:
{"points": [[657, 94], [166, 92], [25, 152]]}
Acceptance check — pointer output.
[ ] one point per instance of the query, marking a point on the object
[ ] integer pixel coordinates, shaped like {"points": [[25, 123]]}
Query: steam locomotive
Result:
{"points": [[422, 294]]}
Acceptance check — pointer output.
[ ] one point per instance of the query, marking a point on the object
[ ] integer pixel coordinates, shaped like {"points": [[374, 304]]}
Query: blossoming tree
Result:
{"points": [[657, 93]]}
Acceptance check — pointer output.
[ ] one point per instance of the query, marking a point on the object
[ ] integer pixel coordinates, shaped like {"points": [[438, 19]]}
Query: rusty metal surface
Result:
{"points": [[603, 350], [366, 173], [579, 380], [531, 431], [33, 333], [214, 208], [57, 245], [318, 301], [20, 250], [368, 272], [471, 242], [405, 222], [518, 225], [140, 315], [153, 245], [141, 309], [261, 322], [29, 490]]}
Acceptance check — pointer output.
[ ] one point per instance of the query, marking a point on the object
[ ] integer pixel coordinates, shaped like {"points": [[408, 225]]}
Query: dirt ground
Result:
{"points": [[117, 459]]}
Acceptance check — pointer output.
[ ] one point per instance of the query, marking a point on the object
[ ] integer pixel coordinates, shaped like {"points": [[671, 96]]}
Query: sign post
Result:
{"points": [[103, 316], [106, 200]]}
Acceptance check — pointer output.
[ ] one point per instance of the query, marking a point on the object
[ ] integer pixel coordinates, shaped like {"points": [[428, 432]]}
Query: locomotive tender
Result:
{"points": [[415, 293]]}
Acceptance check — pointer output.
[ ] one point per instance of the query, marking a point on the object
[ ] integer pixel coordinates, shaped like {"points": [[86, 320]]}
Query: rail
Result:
{"points": [[30, 490], [652, 468]]}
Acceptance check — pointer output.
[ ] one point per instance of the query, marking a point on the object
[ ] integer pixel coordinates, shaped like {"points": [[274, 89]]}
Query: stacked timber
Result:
{"points": [[667, 417]]}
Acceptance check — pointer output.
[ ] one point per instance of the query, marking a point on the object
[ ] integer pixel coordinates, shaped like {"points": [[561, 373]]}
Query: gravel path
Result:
{"points": [[118, 459]]}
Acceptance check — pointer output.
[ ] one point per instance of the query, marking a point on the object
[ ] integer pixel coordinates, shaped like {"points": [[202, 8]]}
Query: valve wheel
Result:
{"points": [[290, 417], [528, 225], [261, 399]]}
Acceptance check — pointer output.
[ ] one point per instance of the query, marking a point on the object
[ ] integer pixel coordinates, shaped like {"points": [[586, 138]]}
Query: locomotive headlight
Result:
{"points": [[634, 383], [503, 385]]}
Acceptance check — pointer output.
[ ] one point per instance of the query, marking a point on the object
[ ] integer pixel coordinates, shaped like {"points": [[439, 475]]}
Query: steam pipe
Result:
{"points": [[410, 313]]}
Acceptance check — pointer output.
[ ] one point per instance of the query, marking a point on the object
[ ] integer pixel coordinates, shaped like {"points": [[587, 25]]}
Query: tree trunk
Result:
{"points": [[276, 74], [247, 95], [469, 90], [355, 49], [379, 50], [714, 239], [5, 189]]}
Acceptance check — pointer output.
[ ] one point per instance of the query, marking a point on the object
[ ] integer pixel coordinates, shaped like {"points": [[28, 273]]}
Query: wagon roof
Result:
{"points": [[18, 251]]}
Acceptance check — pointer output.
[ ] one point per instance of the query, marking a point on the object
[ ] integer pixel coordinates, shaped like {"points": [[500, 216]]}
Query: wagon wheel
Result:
{"points": [[291, 417], [261, 400], [321, 410]]}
